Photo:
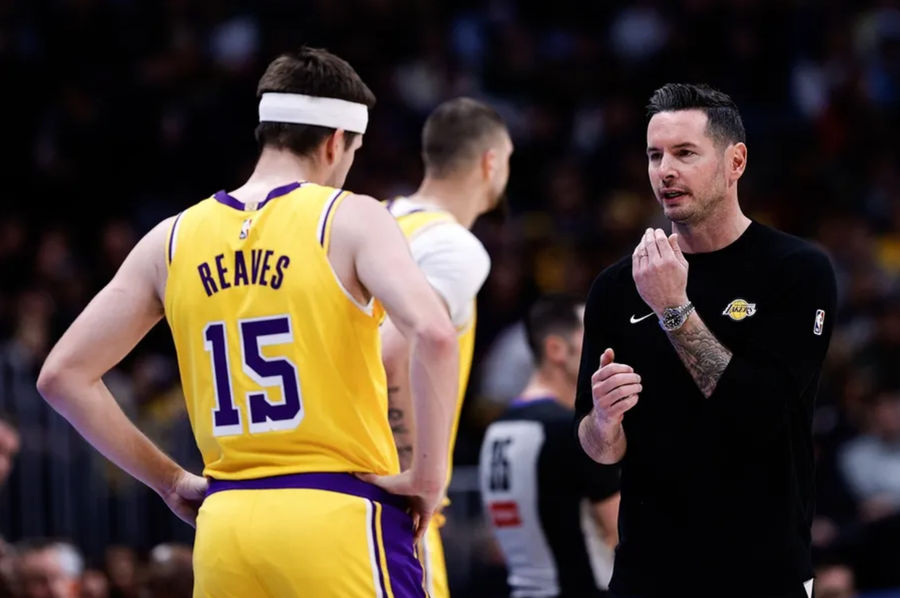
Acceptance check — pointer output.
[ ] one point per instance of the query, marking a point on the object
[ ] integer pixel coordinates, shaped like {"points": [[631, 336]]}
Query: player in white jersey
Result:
{"points": [[466, 149]]}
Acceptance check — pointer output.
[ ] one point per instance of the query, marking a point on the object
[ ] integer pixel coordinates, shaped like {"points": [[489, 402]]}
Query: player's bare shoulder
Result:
{"points": [[149, 259], [358, 218]]}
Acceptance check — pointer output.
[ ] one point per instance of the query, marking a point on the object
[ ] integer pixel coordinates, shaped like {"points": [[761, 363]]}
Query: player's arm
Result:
{"points": [[603, 394], [456, 265], [395, 354], [108, 328], [386, 269]]}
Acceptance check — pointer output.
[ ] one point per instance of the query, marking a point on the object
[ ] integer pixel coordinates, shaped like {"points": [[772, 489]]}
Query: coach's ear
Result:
{"points": [[735, 161]]}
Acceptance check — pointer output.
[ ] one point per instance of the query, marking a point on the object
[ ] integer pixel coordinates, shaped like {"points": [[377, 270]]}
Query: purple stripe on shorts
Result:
{"points": [[404, 569], [344, 483], [172, 236], [327, 214], [384, 592], [230, 201]]}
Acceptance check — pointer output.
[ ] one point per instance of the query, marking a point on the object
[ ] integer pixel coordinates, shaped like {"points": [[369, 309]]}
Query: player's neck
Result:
{"points": [[548, 382], [718, 230], [275, 168], [455, 196]]}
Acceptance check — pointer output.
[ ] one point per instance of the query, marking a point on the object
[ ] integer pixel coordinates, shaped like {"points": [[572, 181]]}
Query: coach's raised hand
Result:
{"points": [[660, 271], [615, 388]]}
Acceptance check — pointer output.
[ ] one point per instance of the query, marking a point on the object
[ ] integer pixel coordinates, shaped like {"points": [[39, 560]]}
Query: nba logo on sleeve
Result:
{"points": [[820, 322]]}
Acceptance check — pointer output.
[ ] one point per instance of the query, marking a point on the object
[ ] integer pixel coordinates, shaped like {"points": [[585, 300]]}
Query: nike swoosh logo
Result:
{"points": [[636, 320]]}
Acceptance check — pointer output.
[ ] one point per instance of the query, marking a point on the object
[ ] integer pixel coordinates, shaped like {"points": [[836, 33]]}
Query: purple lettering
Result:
{"points": [[240, 268], [222, 272], [255, 261], [265, 267], [206, 278], [282, 263]]}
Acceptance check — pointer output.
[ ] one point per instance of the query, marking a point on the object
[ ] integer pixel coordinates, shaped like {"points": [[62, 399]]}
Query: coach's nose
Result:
{"points": [[667, 170]]}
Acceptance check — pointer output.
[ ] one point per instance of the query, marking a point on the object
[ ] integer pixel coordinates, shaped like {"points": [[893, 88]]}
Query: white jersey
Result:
{"points": [[453, 260]]}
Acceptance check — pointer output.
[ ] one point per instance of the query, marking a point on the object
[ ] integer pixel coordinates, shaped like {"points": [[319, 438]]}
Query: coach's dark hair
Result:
{"points": [[313, 72], [554, 314], [456, 133], [724, 125]]}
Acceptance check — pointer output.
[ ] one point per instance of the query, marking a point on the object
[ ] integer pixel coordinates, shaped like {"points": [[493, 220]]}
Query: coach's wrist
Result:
{"points": [[595, 430], [673, 302]]}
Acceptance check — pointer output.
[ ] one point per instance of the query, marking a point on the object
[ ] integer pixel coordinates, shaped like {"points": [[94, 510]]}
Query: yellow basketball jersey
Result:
{"points": [[413, 223], [281, 367]]}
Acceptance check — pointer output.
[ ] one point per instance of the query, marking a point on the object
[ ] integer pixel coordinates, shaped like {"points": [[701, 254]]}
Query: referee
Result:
{"points": [[709, 343], [546, 501]]}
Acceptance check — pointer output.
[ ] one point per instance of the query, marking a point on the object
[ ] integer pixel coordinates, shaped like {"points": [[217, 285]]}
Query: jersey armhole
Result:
{"points": [[172, 240], [325, 221], [324, 236]]}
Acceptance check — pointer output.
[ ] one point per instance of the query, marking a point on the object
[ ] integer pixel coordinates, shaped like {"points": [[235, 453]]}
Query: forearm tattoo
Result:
{"points": [[400, 429], [702, 354]]}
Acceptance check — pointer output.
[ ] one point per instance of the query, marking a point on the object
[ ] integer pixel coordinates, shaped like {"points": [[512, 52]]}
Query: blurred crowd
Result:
{"points": [[122, 112], [48, 568]]}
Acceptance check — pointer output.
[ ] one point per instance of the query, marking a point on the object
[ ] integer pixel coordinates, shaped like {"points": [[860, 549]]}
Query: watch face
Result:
{"points": [[673, 317]]}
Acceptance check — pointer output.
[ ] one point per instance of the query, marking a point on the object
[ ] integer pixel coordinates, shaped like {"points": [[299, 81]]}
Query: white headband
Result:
{"points": [[301, 109]]}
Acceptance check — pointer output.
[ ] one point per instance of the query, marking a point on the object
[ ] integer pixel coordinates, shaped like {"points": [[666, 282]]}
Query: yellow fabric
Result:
{"points": [[431, 555], [245, 539], [412, 224], [231, 267]]}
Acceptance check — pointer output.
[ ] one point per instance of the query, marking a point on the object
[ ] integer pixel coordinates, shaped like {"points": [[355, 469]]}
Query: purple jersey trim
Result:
{"points": [[172, 232], [224, 198], [344, 483], [328, 215]]}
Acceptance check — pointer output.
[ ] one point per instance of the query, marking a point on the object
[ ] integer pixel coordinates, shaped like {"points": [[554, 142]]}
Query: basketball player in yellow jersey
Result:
{"points": [[274, 295], [466, 149]]}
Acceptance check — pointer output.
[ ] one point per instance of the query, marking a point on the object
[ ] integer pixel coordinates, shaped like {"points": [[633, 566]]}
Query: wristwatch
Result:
{"points": [[674, 318]]}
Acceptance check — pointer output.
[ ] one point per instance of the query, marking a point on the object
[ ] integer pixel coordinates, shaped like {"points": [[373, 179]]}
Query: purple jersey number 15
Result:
{"points": [[265, 416]]}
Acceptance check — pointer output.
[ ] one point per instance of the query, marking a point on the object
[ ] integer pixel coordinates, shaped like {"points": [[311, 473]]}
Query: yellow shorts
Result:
{"points": [[431, 553], [316, 535]]}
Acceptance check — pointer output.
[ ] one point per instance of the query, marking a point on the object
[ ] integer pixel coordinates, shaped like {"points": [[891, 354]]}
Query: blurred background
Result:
{"points": [[122, 112]]}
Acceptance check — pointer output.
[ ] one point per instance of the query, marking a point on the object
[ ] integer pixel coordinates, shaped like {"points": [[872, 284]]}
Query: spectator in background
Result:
{"points": [[94, 584], [7, 570], [835, 581], [170, 573], [122, 567], [871, 462], [506, 367], [48, 569], [9, 446]]}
